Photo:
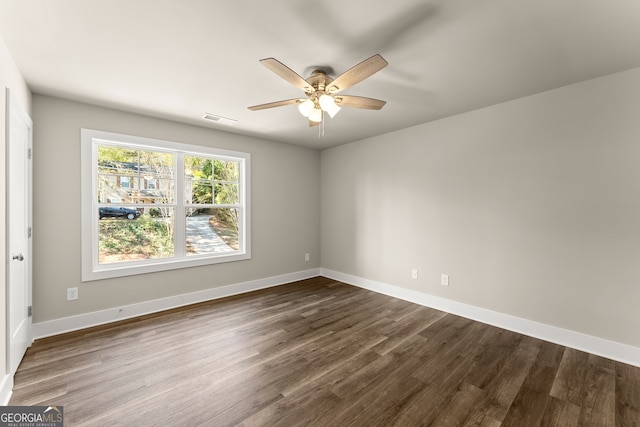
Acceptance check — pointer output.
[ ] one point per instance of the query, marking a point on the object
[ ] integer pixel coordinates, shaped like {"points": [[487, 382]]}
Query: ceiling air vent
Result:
{"points": [[219, 119]]}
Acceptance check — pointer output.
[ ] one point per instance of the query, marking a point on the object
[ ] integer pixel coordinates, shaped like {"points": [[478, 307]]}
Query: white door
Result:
{"points": [[19, 128]]}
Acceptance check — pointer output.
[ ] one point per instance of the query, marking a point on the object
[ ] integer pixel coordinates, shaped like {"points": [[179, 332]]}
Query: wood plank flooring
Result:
{"points": [[320, 353]]}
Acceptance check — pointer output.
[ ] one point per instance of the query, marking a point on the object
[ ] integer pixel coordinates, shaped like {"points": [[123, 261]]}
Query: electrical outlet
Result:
{"points": [[414, 274], [444, 280], [306, 257], [72, 294]]}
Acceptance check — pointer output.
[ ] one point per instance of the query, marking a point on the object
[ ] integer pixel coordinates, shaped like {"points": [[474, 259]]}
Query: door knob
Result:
{"points": [[19, 257]]}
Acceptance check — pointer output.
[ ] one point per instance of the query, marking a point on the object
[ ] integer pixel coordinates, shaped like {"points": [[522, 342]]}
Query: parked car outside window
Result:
{"points": [[118, 212]]}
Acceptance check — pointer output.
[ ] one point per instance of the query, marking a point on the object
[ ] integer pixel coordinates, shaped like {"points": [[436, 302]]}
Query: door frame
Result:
{"points": [[13, 107]]}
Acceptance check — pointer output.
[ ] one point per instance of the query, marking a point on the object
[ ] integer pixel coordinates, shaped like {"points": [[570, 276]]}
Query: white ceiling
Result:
{"points": [[180, 59]]}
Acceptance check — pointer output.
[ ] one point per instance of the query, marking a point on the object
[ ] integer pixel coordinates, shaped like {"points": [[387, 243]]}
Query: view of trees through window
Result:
{"points": [[139, 210]]}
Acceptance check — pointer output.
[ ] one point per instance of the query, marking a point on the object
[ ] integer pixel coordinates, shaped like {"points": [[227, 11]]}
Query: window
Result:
{"points": [[124, 182], [151, 205]]}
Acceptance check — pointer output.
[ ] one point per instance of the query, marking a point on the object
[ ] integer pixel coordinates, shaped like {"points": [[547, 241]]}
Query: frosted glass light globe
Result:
{"points": [[326, 102], [305, 107]]}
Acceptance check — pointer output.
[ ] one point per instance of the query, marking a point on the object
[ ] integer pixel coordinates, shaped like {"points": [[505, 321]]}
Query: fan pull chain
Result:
{"points": [[321, 127]]}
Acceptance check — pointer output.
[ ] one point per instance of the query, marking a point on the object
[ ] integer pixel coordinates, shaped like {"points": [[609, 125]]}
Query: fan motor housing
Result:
{"points": [[319, 80]]}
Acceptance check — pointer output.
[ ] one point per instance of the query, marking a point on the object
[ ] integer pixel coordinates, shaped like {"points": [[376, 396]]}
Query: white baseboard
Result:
{"points": [[610, 349], [6, 389], [81, 321]]}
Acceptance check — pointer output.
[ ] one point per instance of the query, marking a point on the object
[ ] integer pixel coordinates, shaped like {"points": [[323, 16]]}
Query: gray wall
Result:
{"points": [[532, 207], [285, 210]]}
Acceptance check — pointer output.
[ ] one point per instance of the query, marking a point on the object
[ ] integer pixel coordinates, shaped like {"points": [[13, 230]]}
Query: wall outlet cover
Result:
{"points": [[444, 280], [72, 294]]}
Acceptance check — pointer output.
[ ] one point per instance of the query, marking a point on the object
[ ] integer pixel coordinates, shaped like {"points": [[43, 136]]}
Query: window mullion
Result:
{"points": [[95, 244], [180, 226]]}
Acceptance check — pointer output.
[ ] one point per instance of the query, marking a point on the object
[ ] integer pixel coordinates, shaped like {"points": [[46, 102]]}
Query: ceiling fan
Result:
{"points": [[322, 91]]}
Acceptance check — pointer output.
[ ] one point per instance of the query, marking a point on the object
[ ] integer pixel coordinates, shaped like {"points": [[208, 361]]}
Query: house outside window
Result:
{"points": [[151, 205]]}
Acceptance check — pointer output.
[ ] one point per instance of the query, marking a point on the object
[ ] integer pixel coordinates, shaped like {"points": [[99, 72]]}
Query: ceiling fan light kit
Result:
{"points": [[314, 109], [316, 115], [305, 107], [326, 102], [333, 110], [320, 89]]}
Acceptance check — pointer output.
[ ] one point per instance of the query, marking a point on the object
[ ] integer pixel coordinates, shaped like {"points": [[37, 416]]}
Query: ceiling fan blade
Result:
{"points": [[275, 104], [287, 73], [358, 73], [359, 102]]}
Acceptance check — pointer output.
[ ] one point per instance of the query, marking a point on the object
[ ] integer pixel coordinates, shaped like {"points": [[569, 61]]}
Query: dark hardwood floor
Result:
{"points": [[322, 353]]}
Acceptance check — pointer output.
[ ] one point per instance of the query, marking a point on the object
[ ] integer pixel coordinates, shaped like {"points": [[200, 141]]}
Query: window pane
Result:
{"points": [[115, 173], [198, 180], [123, 176], [157, 168], [211, 231], [200, 192], [226, 170], [150, 236], [157, 191], [117, 160], [226, 194]]}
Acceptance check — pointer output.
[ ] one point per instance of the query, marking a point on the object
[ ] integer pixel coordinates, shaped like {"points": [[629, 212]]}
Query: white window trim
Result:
{"points": [[91, 270]]}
